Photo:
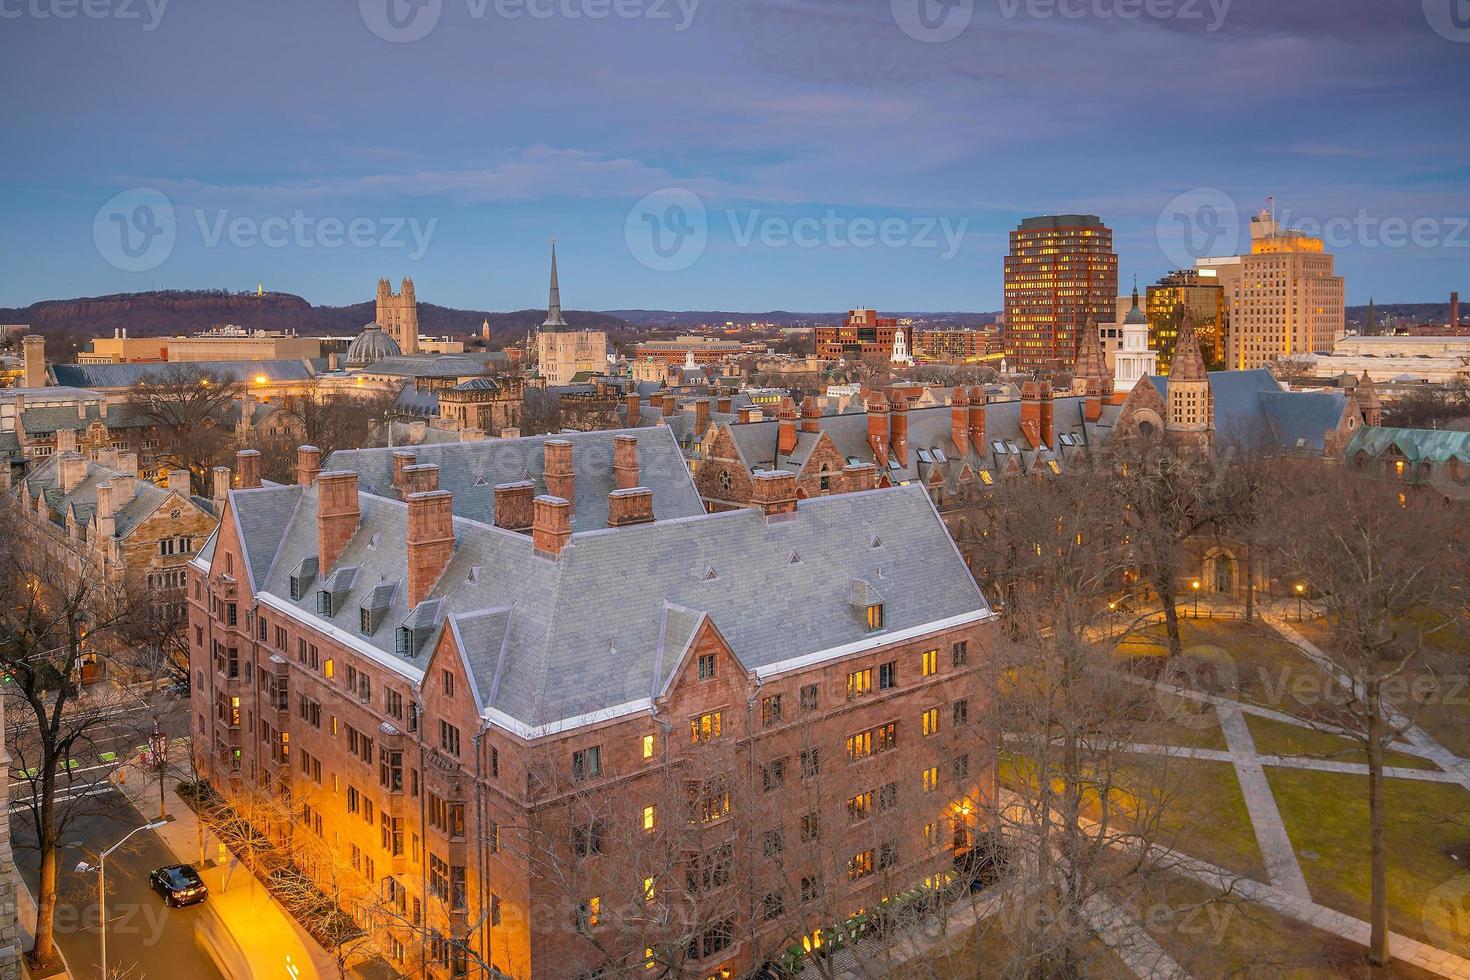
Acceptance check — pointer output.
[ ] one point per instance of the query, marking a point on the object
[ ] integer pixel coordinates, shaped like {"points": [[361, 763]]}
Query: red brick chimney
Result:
{"points": [[633, 505], [430, 540], [551, 525], [898, 428], [513, 505], [959, 420], [558, 469], [811, 415], [723, 404], [656, 402], [337, 515], [977, 420], [786, 440], [670, 404], [774, 492], [419, 478], [247, 469], [635, 408], [749, 414], [625, 462], [402, 460], [857, 477], [1031, 412], [701, 415], [1048, 423], [308, 464], [878, 428]]}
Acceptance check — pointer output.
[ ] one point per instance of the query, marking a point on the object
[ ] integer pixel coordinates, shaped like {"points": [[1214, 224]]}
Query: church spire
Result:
{"points": [[1188, 363], [553, 305]]}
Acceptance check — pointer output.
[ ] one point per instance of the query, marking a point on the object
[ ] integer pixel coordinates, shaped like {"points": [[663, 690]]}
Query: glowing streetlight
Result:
{"points": [[1301, 589], [1195, 585], [101, 868]]}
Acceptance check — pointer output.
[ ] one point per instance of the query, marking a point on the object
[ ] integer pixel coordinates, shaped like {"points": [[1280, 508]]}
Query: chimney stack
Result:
{"points": [[786, 437], [558, 471], [510, 432], [178, 481], [635, 408], [66, 440], [127, 462], [750, 414], [219, 484], [959, 420], [631, 506], [723, 404], [670, 403], [551, 524], [977, 421], [247, 468], [402, 460], [420, 478], [878, 429], [625, 462], [308, 464], [124, 487], [857, 477], [430, 540], [71, 468], [811, 415], [1031, 412], [898, 428], [775, 492], [656, 402], [1048, 422], [513, 505], [701, 415], [1454, 312], [106, 522], [33, 353], [337, 515]]}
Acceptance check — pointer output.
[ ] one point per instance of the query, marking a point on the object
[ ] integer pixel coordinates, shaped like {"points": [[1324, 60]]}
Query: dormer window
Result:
{"points": [[324, 603], [875, 616]]}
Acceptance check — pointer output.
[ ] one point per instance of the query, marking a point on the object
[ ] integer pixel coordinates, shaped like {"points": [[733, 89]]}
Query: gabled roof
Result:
{"points": [[1416, 445], [1250, 406], [471, 470], [599, 628]]}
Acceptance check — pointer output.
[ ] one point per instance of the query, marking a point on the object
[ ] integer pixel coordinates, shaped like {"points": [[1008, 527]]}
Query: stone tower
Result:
{"points": [[399, 314], [1191, 416]]}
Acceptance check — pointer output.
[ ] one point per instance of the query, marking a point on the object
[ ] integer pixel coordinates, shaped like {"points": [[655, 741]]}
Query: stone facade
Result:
{"points": [[399, 314]]}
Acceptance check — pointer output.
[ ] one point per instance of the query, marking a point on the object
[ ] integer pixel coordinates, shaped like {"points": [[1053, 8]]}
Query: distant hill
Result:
{"points": [[1405, 314], [685, 319], [71, 322]]}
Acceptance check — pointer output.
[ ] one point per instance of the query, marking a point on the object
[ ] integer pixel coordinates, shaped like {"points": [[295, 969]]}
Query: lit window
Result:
{"points": [[930, 663], [705, 727], [875, 617], [648, 746], [650, 817], [931, 779], [931, 722], [648, 890], [329, 668], [859, 682]]}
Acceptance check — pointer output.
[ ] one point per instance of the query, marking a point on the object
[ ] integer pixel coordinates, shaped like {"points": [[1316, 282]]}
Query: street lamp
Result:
{"points": [[1195, 586], [1300, 590], [1112, 619], [101, 868]]}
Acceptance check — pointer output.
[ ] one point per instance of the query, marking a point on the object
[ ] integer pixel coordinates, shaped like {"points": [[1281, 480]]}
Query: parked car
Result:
{"points": [[179, 884]]}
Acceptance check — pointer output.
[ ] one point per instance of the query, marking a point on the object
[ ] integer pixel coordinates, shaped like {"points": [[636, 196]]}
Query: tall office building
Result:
{"points": [[1061, 278], [1281, 299], [1204, 298]]}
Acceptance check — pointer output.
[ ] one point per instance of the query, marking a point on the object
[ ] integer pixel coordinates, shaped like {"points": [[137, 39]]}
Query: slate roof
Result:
{"points": [[126, 375], [1251, 406], [603, 626], [471, 470], [427, 366], [1416, 445], [929, 429], [44, 480]]}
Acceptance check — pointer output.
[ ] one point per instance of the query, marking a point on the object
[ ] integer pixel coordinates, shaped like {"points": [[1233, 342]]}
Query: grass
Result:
{"points": [[1326, 815], [1214, 936], [982, 950], [1274, 737]]}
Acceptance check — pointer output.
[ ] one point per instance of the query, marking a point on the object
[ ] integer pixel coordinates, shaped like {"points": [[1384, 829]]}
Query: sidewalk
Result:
{"points": [[255, 919]]}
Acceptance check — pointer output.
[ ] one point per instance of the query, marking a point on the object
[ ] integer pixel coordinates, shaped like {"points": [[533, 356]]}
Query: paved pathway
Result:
{"points": [[1134, 946], [1275, 844]]}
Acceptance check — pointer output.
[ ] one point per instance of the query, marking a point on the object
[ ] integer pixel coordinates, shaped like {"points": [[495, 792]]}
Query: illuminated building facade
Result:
{"points": [[1282, 299], [1204, 298], [864, 336], [1061, 277]]}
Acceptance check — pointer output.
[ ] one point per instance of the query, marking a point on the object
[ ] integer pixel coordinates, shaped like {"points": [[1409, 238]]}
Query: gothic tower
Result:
{"points": [[399, 314], [1191, 418]]}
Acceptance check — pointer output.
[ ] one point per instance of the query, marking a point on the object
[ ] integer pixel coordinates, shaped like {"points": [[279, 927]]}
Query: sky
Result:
{"points": [[716, 154]]}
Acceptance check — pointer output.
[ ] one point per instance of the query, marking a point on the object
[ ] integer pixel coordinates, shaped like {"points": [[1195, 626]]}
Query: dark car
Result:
{"points": [[179, 884]]}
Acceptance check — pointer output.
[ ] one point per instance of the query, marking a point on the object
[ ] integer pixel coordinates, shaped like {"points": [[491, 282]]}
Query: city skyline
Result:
{"points": [[838, 159]]}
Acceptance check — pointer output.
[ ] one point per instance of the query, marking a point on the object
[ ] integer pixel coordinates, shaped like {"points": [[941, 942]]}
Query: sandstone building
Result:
{"points": [[542, 713]]}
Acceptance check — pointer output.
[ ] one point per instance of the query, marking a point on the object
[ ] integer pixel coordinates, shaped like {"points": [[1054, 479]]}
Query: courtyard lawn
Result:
{"points": [[1326, 815], [1274, 737], [983, 948], [1223, 937]]}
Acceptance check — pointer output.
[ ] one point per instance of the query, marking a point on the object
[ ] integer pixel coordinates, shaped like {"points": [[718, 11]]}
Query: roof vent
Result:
{"points": [[876, 542], [709, 574], [474, 575], [480, 481], [795, 559]]}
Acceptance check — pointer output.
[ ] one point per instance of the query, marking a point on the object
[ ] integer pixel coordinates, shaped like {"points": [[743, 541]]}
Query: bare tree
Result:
{"points": [[1385, 568], [52, 616], [192, 402]]}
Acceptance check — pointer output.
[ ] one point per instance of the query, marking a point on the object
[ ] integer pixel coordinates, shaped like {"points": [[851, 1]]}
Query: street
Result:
{"points": [[144, 937]]}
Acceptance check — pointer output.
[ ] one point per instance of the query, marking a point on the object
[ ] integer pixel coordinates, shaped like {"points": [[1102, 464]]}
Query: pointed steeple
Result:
{"points": [[1372, 326], [1092, 362], [553, 305], [1188, 363]]}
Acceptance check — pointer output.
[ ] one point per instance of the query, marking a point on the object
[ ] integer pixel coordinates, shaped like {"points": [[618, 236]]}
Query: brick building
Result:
{"points": [[638, 734], [865, 336]]}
